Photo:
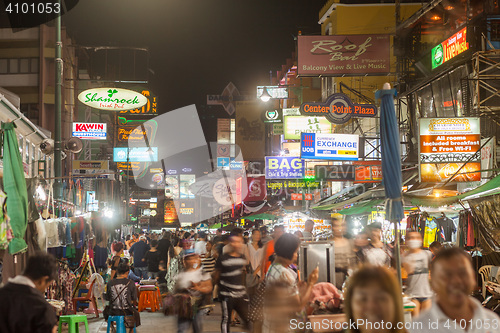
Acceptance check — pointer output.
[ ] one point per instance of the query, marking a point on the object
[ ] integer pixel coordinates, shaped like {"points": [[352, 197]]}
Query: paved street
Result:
{"points": [[151, 322]]}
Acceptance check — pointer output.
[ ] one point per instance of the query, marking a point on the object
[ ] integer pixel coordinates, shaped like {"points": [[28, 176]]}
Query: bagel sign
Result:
{"points": [[338, 109], [112, 99]]}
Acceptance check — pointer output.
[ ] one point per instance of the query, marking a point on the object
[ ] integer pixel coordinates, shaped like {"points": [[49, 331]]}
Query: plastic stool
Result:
{"points": [[148, 299], [120, 324], [73, 321]]}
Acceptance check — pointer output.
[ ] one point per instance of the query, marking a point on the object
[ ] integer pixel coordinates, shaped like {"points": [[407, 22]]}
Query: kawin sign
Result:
{"points": [[338, 109], [112, 99]]}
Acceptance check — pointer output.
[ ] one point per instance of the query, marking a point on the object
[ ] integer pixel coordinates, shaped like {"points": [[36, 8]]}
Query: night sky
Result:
{"points": [[198, 46]]}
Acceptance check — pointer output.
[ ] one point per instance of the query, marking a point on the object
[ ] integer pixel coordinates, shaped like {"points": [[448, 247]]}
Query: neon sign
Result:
{"points": [[450, 48]]}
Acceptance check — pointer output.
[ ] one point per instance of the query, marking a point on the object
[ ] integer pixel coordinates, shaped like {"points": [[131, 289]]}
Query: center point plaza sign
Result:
{"points": [[335, 147], [338, 109], [447, 143], [112, 99], [343, 55]]}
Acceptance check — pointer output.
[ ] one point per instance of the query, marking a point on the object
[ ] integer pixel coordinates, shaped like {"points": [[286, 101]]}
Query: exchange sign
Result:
{"points": [[337, 147], [112, 99], [135, 154]]}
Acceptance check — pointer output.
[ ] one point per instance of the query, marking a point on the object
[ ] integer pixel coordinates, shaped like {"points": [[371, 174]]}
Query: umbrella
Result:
{"points": [[391, 162], [14, 185]]}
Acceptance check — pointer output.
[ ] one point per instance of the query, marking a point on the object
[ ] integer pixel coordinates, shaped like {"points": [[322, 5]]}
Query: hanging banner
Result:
{"points": [[343, 55], [488, 153], [335, 147]]}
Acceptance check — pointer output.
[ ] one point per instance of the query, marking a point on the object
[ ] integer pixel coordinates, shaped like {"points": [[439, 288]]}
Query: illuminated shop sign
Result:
{"points": [[450, 48], [338, 109], [295, 125], [112, 99], [274, 91], [279, 167], [90, 131], [341, 147]]}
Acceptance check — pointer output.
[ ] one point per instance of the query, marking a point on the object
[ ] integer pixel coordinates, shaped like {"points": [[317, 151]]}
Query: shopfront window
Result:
{"points": [[425, 103]]}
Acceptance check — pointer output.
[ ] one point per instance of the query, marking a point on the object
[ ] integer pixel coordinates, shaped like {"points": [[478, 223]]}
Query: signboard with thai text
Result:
{"points": [[343, 55]]}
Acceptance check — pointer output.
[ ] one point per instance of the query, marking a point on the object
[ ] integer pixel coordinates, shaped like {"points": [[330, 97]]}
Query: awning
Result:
{"points": [[490, 188], [362, 208], [263, 216]]}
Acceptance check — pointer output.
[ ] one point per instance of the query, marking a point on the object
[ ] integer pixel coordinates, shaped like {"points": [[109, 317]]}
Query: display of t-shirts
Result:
{"points": [[431, 228], [446, 228], [62, 287], [465, 233]]}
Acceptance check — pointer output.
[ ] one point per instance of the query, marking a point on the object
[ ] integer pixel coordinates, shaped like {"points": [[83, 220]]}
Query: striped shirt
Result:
{"points": [[208, 264], [231, 275]]}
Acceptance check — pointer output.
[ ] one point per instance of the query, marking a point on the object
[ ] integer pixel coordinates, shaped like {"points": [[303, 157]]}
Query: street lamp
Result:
{"points": [[265, 97]]}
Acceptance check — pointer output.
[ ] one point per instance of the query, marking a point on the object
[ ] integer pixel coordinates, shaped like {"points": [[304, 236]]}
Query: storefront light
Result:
{"points": [[41, 193], [265, 97]]}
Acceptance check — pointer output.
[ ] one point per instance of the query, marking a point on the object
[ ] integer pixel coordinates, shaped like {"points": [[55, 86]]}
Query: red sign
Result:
{"points": [[368, 172], [343, 55], [309, 196], [296, 196]]}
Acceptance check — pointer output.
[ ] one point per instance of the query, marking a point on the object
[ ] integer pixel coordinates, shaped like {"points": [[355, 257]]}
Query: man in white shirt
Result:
{"points": [[307, 234], [453, 309], [200, 247]]}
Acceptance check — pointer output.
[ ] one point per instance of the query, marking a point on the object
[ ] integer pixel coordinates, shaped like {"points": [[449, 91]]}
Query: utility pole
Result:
{"points": [[58, 89]]}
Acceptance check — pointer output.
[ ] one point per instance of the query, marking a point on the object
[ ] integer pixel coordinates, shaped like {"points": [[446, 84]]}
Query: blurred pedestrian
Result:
{"points": [[23, 307], [164, 247], [285, 296], [435, 247], [200, 246], [152, 258], [228, 275], [416, 262], [194, 282], [344, 253], [265, 235], [117, 250], [453, 279], [208, 262], [218, 236], [138, 250], [373, 302], [376, 252], [268, 256]]}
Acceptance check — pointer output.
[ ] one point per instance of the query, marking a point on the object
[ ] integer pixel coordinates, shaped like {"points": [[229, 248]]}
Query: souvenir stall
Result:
{"points": [[296, 222]]}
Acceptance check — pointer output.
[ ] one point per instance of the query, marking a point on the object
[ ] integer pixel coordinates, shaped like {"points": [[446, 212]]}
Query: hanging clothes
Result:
{"points": [[430, 232], [446, 228], [61, 288], [5, 228]]}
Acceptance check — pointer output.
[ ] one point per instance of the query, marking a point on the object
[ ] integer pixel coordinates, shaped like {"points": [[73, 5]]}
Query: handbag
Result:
{"points": [[179, 305], [251, 280], [256, 306]]}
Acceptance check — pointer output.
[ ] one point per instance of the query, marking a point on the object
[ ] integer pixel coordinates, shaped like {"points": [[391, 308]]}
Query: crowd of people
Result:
{"points": [[255, 277]]}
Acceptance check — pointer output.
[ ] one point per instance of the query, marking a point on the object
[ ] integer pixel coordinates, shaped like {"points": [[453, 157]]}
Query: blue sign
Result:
{"points": [[280, 167], [235, 165], [222, 162], [335, 147], [135, 154]]}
